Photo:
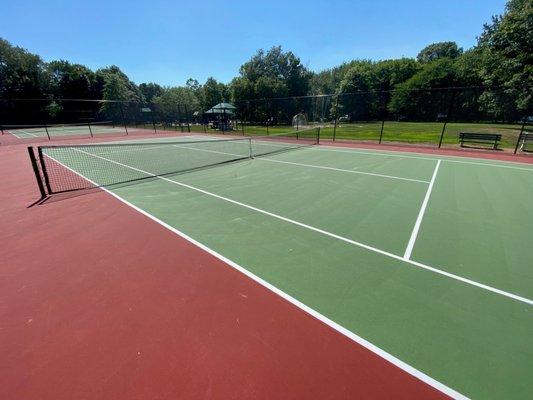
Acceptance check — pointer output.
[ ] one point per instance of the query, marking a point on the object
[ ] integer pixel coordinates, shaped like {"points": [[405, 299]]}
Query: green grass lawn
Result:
{"points": [[393, 131]]}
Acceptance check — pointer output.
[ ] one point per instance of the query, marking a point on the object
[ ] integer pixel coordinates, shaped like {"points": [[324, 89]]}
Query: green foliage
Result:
{"points": [[436, 51], [22, 74], [150, 90], [508, 61], [175, 103], [274, 73], [500, 65], [416, 97]]}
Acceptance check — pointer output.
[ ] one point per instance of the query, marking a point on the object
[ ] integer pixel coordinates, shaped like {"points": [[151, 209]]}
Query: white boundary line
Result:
{"points": [[326, 233], [332, 324], [414, 234]]}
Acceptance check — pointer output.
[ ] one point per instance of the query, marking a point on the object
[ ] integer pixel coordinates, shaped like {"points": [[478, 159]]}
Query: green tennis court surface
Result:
{"points": [[425, 257], [38, 131]]}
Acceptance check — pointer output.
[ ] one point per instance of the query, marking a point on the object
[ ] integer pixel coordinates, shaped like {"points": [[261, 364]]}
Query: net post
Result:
{"points": [[123, 118], [381, 132], [90, 130], [44, 170], [318, 135], [35, 167], [520, 136], [251, 150], [297, 135]]}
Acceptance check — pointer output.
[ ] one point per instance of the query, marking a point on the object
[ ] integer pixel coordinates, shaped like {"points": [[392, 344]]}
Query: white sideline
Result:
{"points": [[332, 324], [326, 233], [414, 234]]}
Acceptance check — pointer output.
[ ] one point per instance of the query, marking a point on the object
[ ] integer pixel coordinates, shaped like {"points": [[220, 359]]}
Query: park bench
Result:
{"points": [[483, 138]]}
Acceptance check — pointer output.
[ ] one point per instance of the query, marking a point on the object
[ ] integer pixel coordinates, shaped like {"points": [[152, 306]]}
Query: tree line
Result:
{"points": [[498, 71]]}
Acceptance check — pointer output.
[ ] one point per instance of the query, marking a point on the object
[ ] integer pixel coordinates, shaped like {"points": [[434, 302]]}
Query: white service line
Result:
{"points": [[311, 165], [416, 228], [344, 170], [326, 233], [401, 155], [332, 324]]}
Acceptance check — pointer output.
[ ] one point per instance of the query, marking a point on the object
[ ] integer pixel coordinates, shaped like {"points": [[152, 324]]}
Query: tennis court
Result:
{"points": [[422, 259], [53, 130]]}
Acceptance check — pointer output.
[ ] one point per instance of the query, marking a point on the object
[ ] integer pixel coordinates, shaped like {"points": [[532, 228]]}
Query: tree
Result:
{"points": [[71, 81], [507, 50], [360, 99], [213, 92], [436, 51], [150, 90], [417, 99], [22, 75], [175, 104]]}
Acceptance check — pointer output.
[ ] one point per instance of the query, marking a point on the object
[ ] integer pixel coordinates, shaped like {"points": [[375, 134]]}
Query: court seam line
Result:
{"points": [[418, 222], [350, 151], [330, 234], [287, 297], [310, 165]]}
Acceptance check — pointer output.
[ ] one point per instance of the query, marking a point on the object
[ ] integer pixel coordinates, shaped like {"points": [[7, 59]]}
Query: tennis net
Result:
{"points": [[77, 167]]}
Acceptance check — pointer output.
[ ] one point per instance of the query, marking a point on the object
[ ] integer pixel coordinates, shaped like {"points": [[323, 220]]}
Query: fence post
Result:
{"points": [[447, 118], [187, 118], [381, 132], [46, 130], [123, 118], [520, 136], [442, 133], [336, 117]]}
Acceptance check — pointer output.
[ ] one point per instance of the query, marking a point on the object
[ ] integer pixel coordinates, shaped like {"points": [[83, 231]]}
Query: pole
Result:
{"points": [[187, 118], [153, 118], [450, 108], [46, 130], [123, 118], [36, 172], [336, 117], [381, 132], [179, 118], [520, 136], [90, 130]]}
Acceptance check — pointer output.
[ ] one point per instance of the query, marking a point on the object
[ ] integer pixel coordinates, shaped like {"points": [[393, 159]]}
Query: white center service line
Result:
{"points": [[326, 233], [414, 234]]}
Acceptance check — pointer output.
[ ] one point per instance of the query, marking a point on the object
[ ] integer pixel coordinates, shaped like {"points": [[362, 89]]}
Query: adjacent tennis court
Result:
{"points": [[89, 129], [422, 259]]}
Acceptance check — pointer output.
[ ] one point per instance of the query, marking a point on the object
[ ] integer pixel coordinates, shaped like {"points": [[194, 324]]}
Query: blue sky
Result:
{"points": [[169, 41]]}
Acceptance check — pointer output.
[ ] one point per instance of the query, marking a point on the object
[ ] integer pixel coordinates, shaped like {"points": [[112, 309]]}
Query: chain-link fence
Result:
{"points": [[427, 117]]}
